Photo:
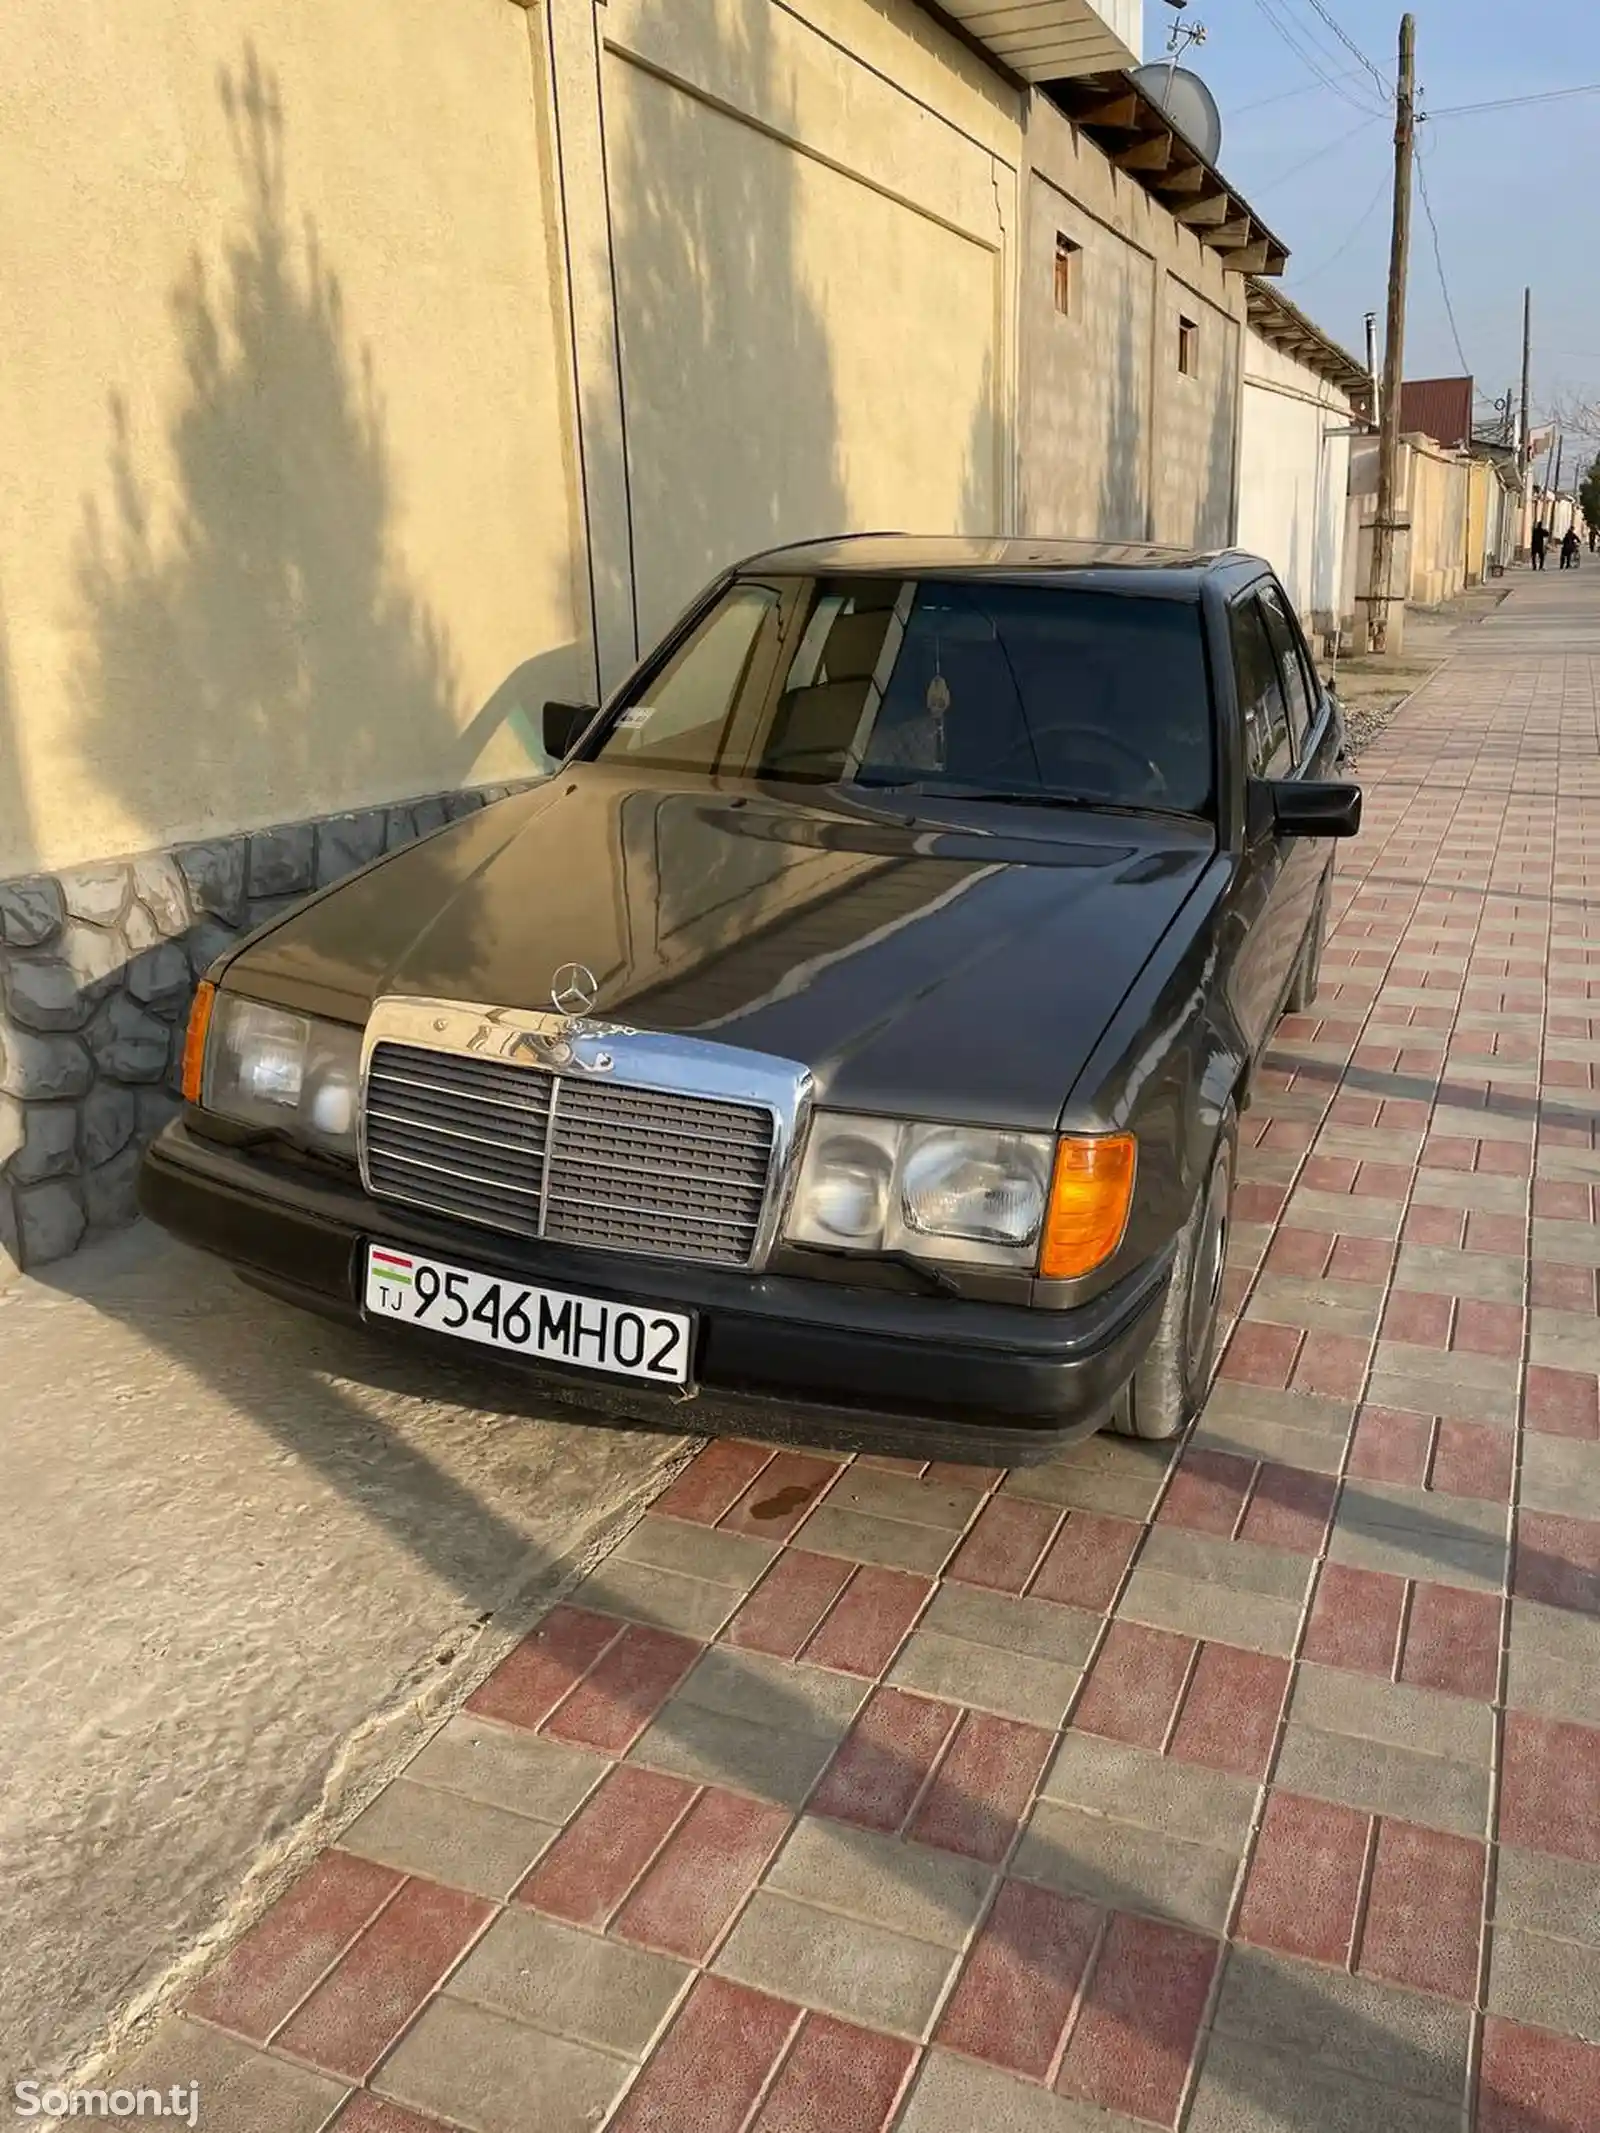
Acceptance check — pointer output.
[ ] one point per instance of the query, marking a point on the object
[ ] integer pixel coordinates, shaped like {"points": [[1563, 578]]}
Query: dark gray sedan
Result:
{"points": [[845, 1042]]}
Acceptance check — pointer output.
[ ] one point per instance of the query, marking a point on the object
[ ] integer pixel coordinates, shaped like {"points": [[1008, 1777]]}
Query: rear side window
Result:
{"points": [[1297, 690], [1261, 707]]}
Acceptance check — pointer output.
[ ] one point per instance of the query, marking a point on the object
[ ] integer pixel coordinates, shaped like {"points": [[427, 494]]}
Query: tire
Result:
{"points": [[1169, 1387], [1308, 970]]}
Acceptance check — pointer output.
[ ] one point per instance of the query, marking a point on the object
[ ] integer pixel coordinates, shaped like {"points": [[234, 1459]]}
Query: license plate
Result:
{"points": [[554, 1325]]}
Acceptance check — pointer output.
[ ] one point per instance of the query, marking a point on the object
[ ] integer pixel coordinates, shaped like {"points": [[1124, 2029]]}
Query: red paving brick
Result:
{"points": [[837, 2079], [870, 1622], [713, 1481], [1003, 1548], [266, 1976], [1230, 1715], [1088, 1560], [1424, 1321], [359, 2009], [1424, 1910], [1562, 1403], [1534, 2082], [787, 1605], [1305, 1879], [532, 1678], [1207, 1493], [1134, 1686], [712, 2065], [366, 2113], [1300, 1251], [1453, 1641], [982, 1787], [884, 1759], [1360, 1259], [1470, 1459], [1355, 1619], [1488, 1328], [1134, 2038], [1391, 1444], [1290, 1509], [1550, 1786], [1332, 1363], [624, 1690], [1261, 1354], [1558, 1561], [781, 1497], [709, 1865], [1021, 1979], [1563, 1288], [591, 1866]]}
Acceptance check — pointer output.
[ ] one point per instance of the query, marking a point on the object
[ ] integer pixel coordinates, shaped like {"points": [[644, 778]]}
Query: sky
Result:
{"points": [[1513, 192]]}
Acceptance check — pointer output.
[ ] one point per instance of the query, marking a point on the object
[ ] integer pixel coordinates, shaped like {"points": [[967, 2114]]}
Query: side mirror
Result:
{"points": [[1292, 809], [563, 724]]}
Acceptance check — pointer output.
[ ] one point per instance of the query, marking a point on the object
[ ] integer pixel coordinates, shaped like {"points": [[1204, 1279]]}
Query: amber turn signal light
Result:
{"points": [[194, 1043], [1091, 1191]]}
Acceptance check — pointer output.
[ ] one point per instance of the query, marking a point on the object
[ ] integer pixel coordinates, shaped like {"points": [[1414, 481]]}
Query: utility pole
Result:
{"points": [[1524, 454], [1379, 591]]}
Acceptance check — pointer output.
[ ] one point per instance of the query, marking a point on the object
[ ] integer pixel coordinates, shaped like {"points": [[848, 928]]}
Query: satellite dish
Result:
{"points": [[1187, 101]]}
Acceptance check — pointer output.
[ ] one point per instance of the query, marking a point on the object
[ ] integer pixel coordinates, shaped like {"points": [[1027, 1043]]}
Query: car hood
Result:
{"points": [[922, 963]]}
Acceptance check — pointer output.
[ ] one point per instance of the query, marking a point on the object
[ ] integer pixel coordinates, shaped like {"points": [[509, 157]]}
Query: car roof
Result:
{"points": [[1171, 572]]}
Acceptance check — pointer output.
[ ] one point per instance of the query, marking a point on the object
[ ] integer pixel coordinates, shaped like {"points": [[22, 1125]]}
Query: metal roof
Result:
{"points": [[1440, 408], [1000, 556], [1040, 40]]}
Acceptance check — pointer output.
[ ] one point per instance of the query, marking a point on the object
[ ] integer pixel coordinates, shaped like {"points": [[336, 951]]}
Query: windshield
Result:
{"points": [[1017, 692]]}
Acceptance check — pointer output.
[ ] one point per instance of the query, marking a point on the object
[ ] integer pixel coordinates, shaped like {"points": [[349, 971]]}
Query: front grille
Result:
{"points": [[574, 1160]]}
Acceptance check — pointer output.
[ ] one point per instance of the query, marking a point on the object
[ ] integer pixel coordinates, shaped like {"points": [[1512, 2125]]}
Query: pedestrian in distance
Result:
{"points": [[1569, 549], [1536, 545]]}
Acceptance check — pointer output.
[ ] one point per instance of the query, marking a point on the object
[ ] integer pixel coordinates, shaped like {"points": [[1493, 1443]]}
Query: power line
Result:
{"points": [[1365, 217], [1308, 55], [1350, 45], [1512, 103], [1438, 260], [1282, 96], [1316, 156]]}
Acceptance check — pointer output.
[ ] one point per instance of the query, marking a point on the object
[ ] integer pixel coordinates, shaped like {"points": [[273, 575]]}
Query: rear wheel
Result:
{"points": [[1171, 1382]]}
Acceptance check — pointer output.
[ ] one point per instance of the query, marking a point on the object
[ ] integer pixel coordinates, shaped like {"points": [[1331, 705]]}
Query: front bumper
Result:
{"points": [[778, 1357]]}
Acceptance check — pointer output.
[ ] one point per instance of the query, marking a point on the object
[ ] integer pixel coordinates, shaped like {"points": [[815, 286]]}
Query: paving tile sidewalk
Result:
{"points": [[1257, 1789]]}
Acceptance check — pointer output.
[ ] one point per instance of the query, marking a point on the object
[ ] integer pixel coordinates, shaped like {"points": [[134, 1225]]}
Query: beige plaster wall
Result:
{"points": [[284, 413]]}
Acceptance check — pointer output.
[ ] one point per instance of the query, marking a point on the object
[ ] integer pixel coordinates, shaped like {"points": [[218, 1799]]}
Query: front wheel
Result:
{"points": [[1169, 1387]]}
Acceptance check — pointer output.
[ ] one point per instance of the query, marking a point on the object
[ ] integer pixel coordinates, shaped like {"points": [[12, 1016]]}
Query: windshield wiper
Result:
{"points": [[1073, 802]]}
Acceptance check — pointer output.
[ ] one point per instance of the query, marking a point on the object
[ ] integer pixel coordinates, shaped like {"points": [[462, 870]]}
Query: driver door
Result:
{"points": [[1266, 888]]}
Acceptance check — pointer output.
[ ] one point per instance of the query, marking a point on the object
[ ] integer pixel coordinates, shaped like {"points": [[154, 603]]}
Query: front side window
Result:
{"points": [[1255, 667], [1286, 651], [684, 719], [956, 686]]}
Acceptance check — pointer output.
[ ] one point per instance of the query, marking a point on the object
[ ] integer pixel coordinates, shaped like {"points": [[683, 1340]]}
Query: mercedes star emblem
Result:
{"points": [[573, 990]]}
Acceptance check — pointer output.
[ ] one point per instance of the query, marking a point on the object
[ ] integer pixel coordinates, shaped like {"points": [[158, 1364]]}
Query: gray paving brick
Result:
{"points": [[1104, 1473], [1551, 1667], [1250, 2088], [1379, 1527], [692, 1606], [1552, 1984], [735, 1559], [959, 2096], [505, 1766], [777, 1763], [1560, 1474], [1564, 1340], [1428, 1720], [894, 1542], [1197, 1609], [448, 1838], [1325, 1306], [599, 1992], [241, 2091], [909, 1888], [1372, 1144], [844, 1966], [1538, 1893], [1484, 1125], [1351, 1214], [1437, 1270], [1247, 1245], [1576, 1166], [1447, 1367], [1240, 1566], [1566, 1243], [476, 2068], [1037, 1691], [902, 1496], [1127, 1866], [1156, 1791], [1345, 2025], [1038, 1627], [773, 1692], [1425, 1394], [1477, 1189], [1297, 1428], [1383, 1779]]}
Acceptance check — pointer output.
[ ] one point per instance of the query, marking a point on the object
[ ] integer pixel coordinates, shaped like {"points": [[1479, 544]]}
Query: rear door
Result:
{"points": [[1266, 953]]}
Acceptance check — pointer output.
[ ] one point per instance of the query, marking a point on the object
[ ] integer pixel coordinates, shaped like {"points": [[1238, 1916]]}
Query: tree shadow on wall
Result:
{"points": [[247, 629]]}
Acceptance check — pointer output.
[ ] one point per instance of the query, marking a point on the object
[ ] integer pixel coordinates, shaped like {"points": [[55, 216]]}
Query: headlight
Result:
{"points": [[266, 1067], [967, 1193]]}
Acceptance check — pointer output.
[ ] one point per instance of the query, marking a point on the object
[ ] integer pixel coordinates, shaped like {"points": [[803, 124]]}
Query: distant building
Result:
{"points": [[1440, 408]]}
